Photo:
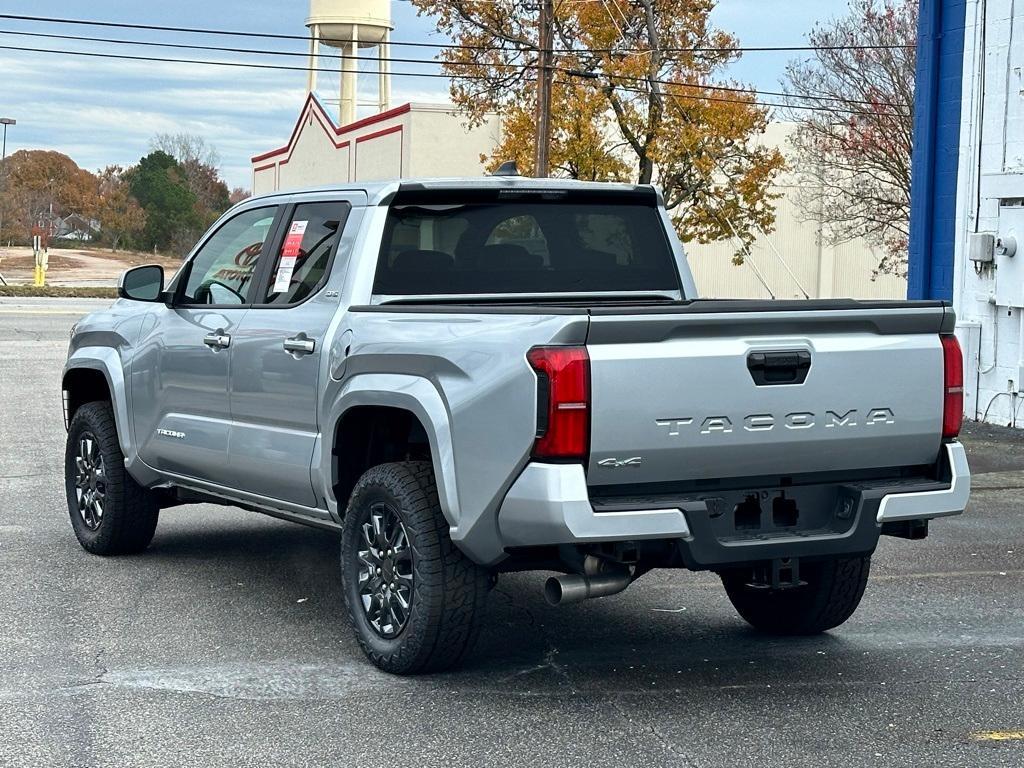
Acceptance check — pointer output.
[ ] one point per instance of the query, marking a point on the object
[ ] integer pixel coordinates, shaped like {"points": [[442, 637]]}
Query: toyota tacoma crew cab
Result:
{"points": [[467, 377]]}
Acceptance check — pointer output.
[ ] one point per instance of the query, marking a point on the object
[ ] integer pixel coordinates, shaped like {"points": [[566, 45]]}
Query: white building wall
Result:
{"points": [[443, 146], [315, 158], [382, 154], [989, 296], [794, 257], [264, 179]]}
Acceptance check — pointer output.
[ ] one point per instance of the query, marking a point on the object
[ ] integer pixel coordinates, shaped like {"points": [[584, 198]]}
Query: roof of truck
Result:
{"points": [[378, 191]]}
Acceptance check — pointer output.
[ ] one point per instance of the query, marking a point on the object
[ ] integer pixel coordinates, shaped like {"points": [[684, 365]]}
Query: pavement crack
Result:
{"points": [[550, 655], [667, 742], [21, 332], [97, 662], [559, 669]]}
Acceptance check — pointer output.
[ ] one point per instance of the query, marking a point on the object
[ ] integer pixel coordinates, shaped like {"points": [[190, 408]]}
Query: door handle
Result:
{"points": [[300, 345], [217, 340]]}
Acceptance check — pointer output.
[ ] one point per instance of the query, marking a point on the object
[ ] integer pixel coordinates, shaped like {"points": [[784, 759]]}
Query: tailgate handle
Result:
{"points": [[785, 367]]}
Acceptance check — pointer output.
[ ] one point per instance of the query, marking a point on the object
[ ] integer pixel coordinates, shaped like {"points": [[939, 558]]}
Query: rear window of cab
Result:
{"points": [[504, 241]]}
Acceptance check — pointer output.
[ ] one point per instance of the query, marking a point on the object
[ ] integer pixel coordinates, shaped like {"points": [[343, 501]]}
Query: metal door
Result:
{"points": [[180, 371], [279, 357]]}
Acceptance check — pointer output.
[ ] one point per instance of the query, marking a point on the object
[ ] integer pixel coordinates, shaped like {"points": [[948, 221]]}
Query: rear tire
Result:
{"points": [[415, 601], [110, 513], [833, 591]]}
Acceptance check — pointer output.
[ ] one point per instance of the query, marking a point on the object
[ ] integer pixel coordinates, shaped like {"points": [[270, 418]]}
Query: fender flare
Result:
{"points": [[107, 361], [421, 398]]}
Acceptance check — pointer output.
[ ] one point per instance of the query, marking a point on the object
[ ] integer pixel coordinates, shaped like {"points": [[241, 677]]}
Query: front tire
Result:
{"points": [[415, 601], [110, 513], [833, 591]]}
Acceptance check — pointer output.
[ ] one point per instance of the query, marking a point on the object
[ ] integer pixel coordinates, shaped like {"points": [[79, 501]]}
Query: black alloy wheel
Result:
{"points": [[90, 481], [386, 571]]}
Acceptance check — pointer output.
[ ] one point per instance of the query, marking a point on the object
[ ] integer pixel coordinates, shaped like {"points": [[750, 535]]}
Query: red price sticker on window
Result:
{"points": [[293, 240], [290, 251]]}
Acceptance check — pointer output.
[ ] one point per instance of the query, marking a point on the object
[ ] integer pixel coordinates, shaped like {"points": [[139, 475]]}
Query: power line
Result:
{"points": [[696, 97], [432, 62], [305, 38], [570, 72], [240, 64], [733, 89], [206, 31], [221, 48]]}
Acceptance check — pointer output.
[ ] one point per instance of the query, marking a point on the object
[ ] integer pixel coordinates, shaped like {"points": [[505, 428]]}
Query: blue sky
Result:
{"points": [[105, 111]]}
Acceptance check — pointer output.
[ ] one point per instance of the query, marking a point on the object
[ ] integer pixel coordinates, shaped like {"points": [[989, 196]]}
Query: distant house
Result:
{"points": [[76, 227]]}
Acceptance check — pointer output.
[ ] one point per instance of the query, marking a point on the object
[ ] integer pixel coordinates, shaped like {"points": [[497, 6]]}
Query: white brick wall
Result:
{"points": [[990, 198]]}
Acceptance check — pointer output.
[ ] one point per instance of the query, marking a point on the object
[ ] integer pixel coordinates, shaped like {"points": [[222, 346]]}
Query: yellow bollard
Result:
{"points": [[42, 262]]}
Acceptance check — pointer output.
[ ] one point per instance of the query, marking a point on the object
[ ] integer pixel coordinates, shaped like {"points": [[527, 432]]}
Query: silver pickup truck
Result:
{"points": [[469, 377]]}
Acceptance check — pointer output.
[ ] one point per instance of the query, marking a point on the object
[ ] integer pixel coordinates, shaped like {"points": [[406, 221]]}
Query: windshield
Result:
{"points": [[454, 245]]}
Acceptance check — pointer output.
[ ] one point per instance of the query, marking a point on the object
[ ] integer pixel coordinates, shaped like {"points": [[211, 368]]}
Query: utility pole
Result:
{"points": [[4, 121], [542, 164]]}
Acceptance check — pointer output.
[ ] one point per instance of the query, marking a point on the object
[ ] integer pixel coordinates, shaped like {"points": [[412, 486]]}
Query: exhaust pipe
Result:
{"points": [[573, 588]]}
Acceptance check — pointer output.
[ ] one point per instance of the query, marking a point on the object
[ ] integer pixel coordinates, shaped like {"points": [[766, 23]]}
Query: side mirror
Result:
{"points": [[144, 283]]}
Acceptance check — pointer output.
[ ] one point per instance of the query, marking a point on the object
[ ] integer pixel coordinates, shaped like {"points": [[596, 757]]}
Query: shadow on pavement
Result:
{"points": [[621, 644]]}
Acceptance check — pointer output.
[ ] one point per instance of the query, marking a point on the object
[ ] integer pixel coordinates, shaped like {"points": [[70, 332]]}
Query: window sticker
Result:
{"points": [[293, 242], [284, 274], [290, 251]]}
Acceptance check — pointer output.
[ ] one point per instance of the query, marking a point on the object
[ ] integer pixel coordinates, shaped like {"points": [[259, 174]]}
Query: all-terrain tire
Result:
{"points": [[129, 511], [448, 592], [833, 591]]}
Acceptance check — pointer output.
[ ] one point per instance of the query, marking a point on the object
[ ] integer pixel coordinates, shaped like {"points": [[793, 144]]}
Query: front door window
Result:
{"points": [[223, 268]]}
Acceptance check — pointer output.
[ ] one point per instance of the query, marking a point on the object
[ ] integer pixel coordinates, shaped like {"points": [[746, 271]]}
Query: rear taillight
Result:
{"points": [[563, 402], [953, 393]]}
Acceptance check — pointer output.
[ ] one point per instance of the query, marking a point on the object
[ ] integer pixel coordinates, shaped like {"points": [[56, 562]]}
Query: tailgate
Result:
{"points": [[716, 390]]}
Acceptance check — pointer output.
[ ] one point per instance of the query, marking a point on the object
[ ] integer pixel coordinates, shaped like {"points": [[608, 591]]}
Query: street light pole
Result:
{"points": [[4, 121]]}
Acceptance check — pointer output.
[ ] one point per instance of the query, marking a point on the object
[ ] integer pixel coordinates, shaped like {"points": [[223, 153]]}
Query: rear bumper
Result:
{"points": [[550, 504], [924, 505]]}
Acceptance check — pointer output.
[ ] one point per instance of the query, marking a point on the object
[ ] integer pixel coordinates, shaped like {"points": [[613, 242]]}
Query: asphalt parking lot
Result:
{"points": [[224, 644]]}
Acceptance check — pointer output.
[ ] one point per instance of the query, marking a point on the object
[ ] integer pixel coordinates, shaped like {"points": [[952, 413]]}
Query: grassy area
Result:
{"points": [[54, 291]]}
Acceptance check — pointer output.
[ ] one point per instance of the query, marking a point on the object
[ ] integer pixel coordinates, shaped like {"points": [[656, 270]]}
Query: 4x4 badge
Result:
{"points": [[613, 462]]}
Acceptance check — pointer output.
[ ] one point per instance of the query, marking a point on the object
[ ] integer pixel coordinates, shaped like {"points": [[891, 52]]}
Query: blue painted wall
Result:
{"points": [[940, 56]]}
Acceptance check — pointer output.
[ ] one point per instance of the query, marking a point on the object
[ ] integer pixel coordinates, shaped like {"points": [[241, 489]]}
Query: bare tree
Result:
{"points": [[198, 163], [186, 148], [853, 150]]}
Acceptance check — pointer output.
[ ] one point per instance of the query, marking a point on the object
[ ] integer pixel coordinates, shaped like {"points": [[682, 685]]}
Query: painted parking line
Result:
{"points": [[943, 575], [17, 311], [998, 736]]}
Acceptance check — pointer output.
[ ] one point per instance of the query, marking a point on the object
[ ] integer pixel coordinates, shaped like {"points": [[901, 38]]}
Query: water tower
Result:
{"points": [[350, 25]]}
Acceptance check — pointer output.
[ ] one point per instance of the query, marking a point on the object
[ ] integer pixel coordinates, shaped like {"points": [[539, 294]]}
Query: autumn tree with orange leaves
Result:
{"points": [[638, 96], [854, 147]]}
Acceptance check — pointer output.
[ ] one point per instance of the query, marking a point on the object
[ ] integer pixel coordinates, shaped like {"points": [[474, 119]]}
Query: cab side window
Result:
{"points": [[302, 263], [223, 268]]}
